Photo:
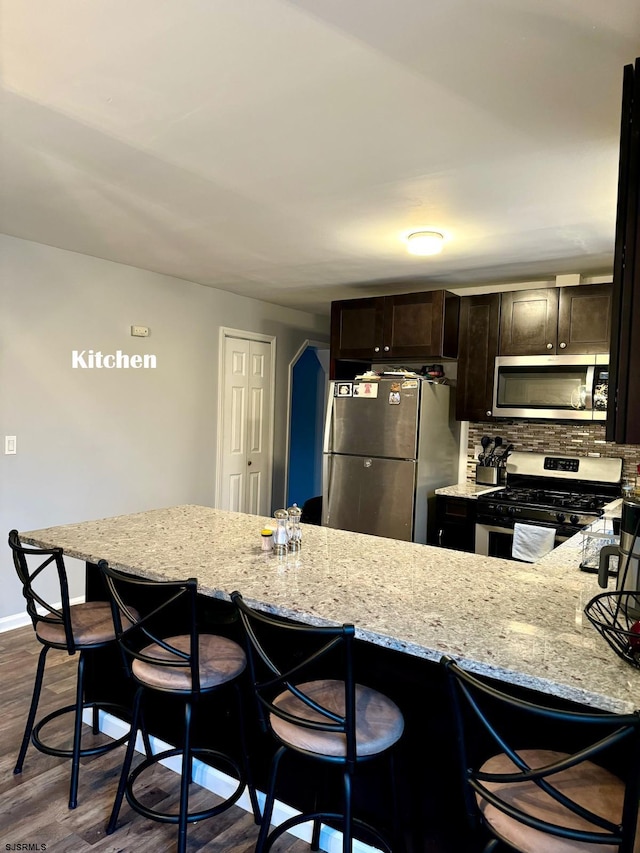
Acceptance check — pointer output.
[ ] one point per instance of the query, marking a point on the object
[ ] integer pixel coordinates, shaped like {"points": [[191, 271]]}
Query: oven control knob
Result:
{"points": [[511, 510], [574, 519], [561, 517], [500, 510]]}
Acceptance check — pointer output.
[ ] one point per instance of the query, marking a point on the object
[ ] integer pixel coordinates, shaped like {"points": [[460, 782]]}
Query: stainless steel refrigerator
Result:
{"points": [[388, 444]]}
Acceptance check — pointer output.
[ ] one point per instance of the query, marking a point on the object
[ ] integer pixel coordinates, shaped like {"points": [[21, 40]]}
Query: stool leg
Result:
{"points": [[347, 832], [96, 720], [397, 831], [185, 781], [315, 836], [77, 735], [268, 803], [35, 698], [126, 764]]}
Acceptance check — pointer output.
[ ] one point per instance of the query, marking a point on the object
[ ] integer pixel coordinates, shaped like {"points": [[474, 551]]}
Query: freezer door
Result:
{"points": [[381, 425], [370, 495]]}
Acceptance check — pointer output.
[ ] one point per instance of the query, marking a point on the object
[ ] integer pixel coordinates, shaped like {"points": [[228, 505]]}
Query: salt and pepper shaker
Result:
{"points": [[295, 533], [281, 534]]}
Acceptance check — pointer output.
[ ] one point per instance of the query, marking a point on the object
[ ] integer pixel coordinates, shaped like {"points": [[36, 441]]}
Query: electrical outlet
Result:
{"points": [[140, 331], [10, 445]]}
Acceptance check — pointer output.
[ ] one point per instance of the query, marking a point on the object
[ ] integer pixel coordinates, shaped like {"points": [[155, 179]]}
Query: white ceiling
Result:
{"points": [[282, 148]]}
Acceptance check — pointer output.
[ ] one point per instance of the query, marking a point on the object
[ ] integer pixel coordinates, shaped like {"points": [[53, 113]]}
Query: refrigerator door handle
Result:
{"points": [[328, 420], [326, 486]]}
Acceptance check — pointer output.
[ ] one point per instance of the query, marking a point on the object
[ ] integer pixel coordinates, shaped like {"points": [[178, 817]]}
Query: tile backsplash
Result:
{"points": [[549, 437]]}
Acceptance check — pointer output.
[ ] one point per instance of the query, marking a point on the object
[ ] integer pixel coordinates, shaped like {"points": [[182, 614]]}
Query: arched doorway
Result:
{"points": [[308, 382]]}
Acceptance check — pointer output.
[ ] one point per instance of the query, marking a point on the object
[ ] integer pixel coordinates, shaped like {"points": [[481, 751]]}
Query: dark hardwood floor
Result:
{"points": [[33, 804]]}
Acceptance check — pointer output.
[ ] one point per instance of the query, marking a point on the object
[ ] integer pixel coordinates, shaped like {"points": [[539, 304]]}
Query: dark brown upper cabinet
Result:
{"points": [[556, 321], [406, 326], [478, 347]]}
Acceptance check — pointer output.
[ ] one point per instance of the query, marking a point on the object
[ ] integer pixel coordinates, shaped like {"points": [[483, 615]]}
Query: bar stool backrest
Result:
{"points": [[157, 604], [31, 564], [483, 712], [283, 655]]}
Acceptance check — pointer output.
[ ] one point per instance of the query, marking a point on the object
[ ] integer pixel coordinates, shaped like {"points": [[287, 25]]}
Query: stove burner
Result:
{"points": [[571, 501]]}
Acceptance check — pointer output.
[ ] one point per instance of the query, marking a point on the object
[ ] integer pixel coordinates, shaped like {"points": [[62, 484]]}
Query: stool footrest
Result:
{"points": [[323, 817], [167, 817], [59, 752]]}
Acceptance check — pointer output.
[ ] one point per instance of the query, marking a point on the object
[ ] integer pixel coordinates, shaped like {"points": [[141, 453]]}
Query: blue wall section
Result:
{"points": [[305, 445]]}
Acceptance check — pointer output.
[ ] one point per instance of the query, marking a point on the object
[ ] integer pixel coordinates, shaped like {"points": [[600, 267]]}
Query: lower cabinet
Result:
{"points": [[455, 523]]}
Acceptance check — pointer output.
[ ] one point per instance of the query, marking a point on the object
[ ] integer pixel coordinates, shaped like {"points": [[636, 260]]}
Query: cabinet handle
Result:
{"points": [[549, 346], [562, 345], [386, 349], [489, 414], [376, 349], [440, 532]]}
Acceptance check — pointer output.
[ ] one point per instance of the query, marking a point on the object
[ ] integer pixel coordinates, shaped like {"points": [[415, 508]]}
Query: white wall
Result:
{"points": [[95, 443]]}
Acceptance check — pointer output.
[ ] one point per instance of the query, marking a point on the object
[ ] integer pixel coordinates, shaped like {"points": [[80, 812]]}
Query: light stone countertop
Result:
{"points": [[467, 490], [517, 622]]}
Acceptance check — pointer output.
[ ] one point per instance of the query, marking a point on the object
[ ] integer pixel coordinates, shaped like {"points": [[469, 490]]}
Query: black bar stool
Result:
{"points": [[73, 628], [332, 720], [188, 666], [533, 797]]}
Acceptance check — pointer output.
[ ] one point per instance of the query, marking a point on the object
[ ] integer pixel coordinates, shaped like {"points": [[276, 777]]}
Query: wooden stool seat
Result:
{"points": [[91, 624], [378, 721], [220, 660]]}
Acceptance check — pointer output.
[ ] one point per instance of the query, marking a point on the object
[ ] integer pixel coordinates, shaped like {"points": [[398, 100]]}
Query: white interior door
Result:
{"points": [[246, 457]]}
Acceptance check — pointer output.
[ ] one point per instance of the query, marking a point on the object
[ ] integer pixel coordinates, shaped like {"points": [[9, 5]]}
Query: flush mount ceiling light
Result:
{"points": [[425, 242]]}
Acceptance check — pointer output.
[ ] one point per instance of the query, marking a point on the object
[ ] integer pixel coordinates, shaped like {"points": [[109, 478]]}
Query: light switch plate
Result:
{"points": [[140, 331], [10, 444]]}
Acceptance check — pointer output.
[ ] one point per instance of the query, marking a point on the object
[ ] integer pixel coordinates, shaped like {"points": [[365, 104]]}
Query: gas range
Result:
{"points": [[566, 493], [549, 505]]}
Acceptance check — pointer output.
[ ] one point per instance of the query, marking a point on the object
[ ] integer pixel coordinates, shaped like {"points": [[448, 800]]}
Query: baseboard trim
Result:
{"points": [[223, 785]]}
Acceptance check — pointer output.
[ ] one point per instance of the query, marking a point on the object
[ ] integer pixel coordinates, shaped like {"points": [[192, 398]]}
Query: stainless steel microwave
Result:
{"points": [[559, 387]]}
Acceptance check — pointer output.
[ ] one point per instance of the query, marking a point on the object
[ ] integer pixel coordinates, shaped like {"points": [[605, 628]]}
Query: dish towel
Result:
{"points": [[530, 543]]}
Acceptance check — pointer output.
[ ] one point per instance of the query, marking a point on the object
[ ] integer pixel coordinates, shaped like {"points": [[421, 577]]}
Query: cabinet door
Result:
{"points": [[456, 523], [421, 325], [584, 319], [529, 322], [356, 328], [478, 347]]}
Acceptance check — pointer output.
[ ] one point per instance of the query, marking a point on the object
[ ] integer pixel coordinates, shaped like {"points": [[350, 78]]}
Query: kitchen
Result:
{"points": [[93, 445]]}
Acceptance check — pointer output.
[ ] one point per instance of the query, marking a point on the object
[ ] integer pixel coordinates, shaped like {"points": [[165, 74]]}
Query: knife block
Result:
{"points": [[489, 476]]}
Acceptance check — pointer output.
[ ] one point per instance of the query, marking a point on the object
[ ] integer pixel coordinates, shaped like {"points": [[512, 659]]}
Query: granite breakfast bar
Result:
{"points": [[515, 622]]}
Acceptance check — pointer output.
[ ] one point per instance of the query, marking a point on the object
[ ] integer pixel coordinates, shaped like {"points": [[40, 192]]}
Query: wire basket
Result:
{"points": [[616, 616]]}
